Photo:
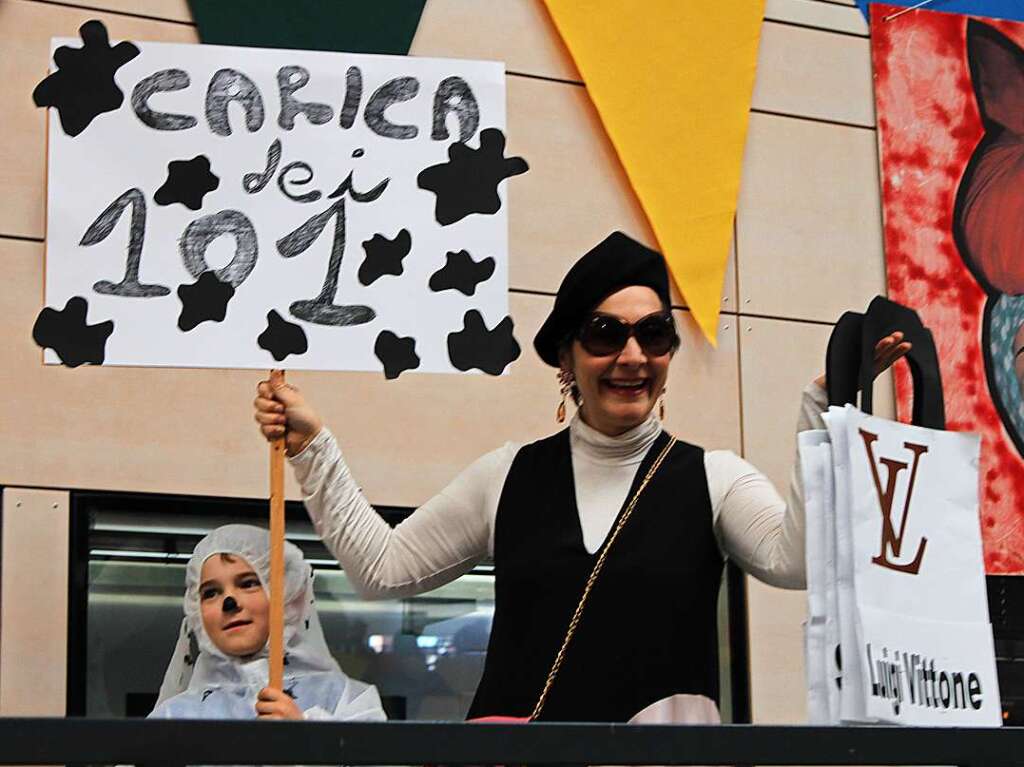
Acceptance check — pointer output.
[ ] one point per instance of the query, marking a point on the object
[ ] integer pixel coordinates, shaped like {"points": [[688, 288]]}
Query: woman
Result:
{"points": [[646, 646], [219, 667]]}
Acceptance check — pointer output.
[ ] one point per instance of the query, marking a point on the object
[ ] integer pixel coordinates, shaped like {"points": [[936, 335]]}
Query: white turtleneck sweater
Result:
{"points": [[454, 530]]}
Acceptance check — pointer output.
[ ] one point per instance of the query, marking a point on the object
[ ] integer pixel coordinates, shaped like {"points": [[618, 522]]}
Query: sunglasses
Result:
{"points": [[603, 334]]}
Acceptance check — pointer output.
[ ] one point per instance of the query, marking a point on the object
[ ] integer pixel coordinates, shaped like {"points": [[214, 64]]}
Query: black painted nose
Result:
{"points": [[230, 605]]}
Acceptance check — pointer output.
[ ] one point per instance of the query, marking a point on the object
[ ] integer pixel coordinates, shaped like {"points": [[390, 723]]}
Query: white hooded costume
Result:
{"points": [[202, 682]]}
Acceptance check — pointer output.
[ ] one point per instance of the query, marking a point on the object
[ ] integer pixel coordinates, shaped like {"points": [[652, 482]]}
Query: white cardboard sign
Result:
{"points": [[359, 198]]}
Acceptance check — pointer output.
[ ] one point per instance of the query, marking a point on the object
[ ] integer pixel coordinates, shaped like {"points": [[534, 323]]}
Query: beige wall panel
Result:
{"points": [[778, 692], [778, 359], [812, 73], [171, 10], [34, 603], [576, 190], [702, 393], [191, 431], [729, 288], [518, 32], [25, 32], [809, 228], [828, 15]]}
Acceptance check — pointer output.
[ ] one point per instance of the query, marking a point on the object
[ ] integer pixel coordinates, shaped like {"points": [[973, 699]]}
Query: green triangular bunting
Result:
{"points": [[356, 26]]}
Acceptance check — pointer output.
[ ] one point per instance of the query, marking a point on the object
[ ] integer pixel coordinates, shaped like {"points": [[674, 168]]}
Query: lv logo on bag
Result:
{"points": [[892, 541]]}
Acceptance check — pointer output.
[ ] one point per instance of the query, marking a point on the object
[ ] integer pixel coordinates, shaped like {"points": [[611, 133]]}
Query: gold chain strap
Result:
{"points": [[574, 623]]}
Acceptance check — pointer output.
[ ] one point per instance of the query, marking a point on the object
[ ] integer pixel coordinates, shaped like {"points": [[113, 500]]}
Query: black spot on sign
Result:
{"points": [[384, 256], [460, 272], [396, 354], [206, 299], [83, 86], [68, 334], [477, 347], [281, 337], [187, 182], [468, 182]]}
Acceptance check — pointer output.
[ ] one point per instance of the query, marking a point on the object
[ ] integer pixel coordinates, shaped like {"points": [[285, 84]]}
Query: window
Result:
{"points": [[425, 654]]}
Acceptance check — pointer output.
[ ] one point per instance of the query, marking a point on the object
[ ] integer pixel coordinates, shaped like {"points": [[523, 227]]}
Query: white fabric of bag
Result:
{"points": [[852, 704], [203, 682], [833, 672], [814, 466], [922, 628]]}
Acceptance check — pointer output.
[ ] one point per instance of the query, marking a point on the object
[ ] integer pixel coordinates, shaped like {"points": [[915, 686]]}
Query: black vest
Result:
{"points": [[649, 627]]}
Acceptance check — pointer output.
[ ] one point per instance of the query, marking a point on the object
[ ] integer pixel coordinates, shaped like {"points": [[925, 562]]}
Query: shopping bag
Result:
{"points": [[919, 583], [915, 638]]}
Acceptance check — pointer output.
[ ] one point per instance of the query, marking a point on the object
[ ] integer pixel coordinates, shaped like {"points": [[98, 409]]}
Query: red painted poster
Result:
{"points": [[949, 93]]}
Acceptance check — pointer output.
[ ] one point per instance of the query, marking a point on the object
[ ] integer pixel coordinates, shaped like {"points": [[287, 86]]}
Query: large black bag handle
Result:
{"points": [[849, 361]]}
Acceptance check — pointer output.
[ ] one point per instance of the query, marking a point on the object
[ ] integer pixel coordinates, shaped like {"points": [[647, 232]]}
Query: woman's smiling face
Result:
{"points": [[234, 606], [620, 389]]}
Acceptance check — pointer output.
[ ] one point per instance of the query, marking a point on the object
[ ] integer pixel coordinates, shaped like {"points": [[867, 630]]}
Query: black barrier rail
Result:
{"points": [[166, 743]]}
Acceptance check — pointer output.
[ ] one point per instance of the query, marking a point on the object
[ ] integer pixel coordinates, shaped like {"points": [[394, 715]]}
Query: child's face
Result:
{"points": [[234, 606]]}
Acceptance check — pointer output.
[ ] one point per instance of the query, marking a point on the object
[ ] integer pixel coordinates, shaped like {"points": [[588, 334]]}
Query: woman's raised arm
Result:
{"points": [[440, 541], [753, 524]]}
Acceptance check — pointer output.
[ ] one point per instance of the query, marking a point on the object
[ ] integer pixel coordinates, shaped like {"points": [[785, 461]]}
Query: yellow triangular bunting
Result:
{"points": [[672, 81]]}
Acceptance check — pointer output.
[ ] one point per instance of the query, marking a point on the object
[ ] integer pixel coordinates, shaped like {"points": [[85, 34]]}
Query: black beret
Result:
{"points": [[616, 262]]}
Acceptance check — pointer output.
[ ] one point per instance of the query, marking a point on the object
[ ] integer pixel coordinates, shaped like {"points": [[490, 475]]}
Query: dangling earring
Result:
{"points": [[565, 381], [661, 405]]}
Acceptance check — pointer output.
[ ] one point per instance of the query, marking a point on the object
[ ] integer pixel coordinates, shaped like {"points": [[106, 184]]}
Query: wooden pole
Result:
{"points": [[277, 553]]}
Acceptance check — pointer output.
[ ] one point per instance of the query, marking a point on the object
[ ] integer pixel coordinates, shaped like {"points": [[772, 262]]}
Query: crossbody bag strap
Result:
{"points": [[574, 623]]}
